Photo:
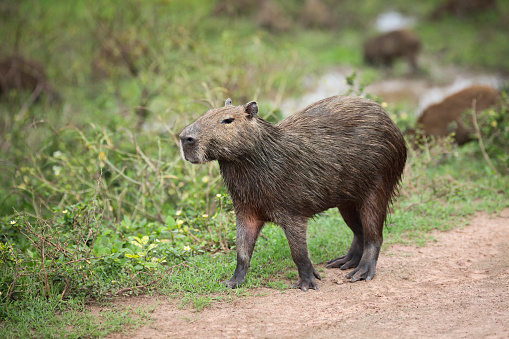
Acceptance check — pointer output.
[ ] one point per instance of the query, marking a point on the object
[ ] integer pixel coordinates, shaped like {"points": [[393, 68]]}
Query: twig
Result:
{"points": [[424, 202], [128, 289], [26, 105], [479, 137], [46, 281]]}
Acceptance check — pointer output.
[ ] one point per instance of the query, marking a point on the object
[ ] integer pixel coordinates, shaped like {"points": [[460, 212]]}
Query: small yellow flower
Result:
{"points": [[384, 104], [113, 281], [13, 222], [494, 123], [205, 216], [65, 212], [404, 115], [180, 222], [218, 195], [187, 248], [102, 155], [179, 212], [205, 179]]}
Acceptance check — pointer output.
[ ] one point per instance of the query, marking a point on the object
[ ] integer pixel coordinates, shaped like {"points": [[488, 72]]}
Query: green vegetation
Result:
{"points": [[95, 201]]}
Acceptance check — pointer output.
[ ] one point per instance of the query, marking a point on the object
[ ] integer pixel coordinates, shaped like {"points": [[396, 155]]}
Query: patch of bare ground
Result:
{"points": [[456, 287]]}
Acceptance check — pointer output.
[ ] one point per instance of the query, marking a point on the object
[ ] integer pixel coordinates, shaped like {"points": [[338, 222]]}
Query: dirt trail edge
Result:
{"points": [[456, 287]]}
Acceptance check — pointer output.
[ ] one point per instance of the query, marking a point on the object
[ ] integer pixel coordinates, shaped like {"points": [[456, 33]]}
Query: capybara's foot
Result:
{"points": [[345, 261], [365, 271], [305, 283], [233, 282]]}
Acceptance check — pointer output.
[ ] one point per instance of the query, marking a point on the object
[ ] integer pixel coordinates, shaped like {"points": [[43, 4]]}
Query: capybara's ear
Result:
{"points": [[251, 109], [228, 102]]}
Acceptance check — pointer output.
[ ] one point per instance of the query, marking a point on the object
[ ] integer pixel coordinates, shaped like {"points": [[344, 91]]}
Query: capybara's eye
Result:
{"points": [[227, 121]]}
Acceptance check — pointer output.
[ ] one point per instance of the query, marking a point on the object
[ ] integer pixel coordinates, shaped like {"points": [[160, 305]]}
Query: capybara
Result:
{"points": [[384, 49], [342, 152], [316, 14], [463, 8], [272, 17], [235, 8], [20, 74], [437, 120]]}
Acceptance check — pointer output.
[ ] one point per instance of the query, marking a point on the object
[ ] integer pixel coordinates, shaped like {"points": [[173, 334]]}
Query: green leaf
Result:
{"points": [[169, 222], [127, 222]]}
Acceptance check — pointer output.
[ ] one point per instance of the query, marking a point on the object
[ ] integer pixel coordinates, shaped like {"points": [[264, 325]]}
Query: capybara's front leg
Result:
{"points": [[248, 230], [296, 235]]}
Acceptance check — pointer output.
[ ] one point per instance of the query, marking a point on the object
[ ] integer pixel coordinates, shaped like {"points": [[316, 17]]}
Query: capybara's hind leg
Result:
{"points": [[352, 258], [372, 213]]}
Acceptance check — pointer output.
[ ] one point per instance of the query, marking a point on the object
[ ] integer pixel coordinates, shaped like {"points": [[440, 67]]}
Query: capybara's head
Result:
{"points": [[224, 133]]}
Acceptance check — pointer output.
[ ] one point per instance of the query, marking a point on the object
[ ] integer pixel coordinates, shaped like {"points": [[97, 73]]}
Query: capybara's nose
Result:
{"points": [[187, 140]]}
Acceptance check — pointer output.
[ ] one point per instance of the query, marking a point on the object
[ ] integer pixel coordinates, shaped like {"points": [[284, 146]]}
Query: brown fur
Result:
{"points": [[463, 8], [437, 119], [20, 74], [384, 49], [273, 18], [342, 152], [232, 8], [316, 14]]}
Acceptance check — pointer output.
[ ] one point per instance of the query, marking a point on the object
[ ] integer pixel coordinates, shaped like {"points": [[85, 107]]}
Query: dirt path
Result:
{"points": [[457, 287]]}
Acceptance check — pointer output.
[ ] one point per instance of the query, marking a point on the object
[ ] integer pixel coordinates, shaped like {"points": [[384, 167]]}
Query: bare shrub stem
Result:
{"points": [[479, 137]]}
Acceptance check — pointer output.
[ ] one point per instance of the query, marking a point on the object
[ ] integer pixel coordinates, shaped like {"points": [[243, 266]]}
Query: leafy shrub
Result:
{"points": [[493, 128], [80, 254]]}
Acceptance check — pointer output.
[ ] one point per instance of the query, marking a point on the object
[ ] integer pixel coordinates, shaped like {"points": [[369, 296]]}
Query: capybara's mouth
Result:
{"points": [[193, 159]]}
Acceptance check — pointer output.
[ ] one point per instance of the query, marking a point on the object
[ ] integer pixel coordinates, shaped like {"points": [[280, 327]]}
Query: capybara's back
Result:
{"points": [[342, 152], [347, 138], [386, 48], [436, 120], [463, 8]]}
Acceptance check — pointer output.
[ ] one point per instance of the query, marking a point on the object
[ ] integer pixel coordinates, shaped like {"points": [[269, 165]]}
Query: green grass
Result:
{"points": [[55, 318], [94, 205]]}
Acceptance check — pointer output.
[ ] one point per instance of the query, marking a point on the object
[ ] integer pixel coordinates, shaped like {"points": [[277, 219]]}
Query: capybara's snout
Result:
{"points": [[189, 147]]}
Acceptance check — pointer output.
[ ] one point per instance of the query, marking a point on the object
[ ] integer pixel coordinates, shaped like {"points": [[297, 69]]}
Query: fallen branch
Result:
{"points": [[142, 287]]}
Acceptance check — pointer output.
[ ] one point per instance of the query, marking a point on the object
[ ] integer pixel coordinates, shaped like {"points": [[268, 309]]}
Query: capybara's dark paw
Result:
{"points": [[232, 283], [345, 261], [306, 285], [308, 282], [365, 271]]}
